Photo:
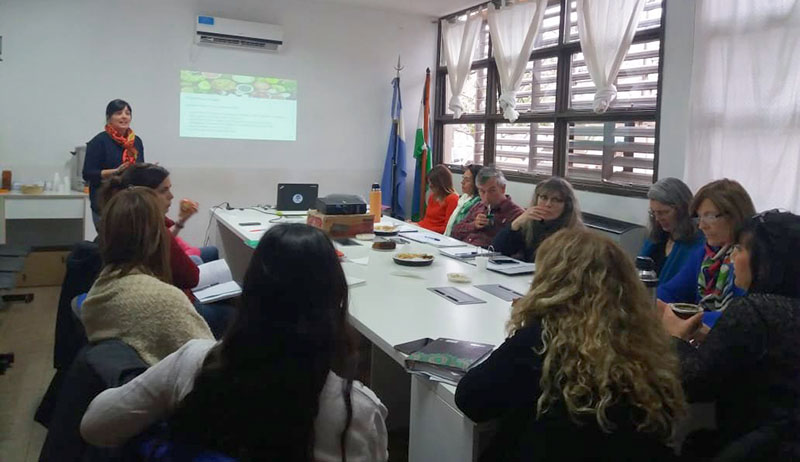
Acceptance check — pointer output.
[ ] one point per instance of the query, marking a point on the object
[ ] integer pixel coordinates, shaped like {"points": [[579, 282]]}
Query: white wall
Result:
{"points": [[63, 61]]}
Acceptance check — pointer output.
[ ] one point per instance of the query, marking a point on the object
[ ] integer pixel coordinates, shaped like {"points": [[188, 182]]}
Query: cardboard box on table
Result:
{"points": [[341, 225]]}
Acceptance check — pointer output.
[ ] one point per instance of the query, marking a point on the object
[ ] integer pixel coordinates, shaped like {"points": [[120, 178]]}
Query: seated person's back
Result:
{"points": [[588, 373], [132, 299], [278, 386]]}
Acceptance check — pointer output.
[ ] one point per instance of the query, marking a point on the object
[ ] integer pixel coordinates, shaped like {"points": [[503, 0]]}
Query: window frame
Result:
{"points": [[563, 115]]}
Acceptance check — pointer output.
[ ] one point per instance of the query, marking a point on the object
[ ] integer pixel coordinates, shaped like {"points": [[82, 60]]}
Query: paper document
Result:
{"points": [[215, 282], [436, 240], [352, 282]]}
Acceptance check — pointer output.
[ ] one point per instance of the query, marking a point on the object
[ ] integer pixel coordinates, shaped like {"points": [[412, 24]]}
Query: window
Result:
{"points": [[557, 133]]}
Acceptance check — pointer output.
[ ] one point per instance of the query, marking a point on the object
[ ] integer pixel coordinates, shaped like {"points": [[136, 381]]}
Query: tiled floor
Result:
{"points": [[27, 330]]}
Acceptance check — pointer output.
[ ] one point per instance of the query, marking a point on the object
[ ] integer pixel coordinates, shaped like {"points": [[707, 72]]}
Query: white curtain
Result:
{"points": [[513, 31], [606, 29], [459, 46], [744, 113]]}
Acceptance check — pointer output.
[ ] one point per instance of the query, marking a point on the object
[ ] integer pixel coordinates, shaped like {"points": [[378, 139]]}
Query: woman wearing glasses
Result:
{"points": [[749, 364], [721, 207], [554, 207], [672, 237]]}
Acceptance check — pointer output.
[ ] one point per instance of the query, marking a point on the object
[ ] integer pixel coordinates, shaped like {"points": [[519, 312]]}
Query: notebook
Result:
{"points": [[215, 282], [447, 359], [296, 198]]}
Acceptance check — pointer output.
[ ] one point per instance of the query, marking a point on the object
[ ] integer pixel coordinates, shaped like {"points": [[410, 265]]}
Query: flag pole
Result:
{"points": [[395, 199]]}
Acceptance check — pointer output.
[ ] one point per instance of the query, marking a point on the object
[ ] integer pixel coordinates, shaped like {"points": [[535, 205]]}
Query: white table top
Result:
{"points": [[390, 309], [45, 195]]}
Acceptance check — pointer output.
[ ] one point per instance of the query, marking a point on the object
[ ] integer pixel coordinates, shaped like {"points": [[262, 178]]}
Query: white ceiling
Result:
{"points": [[435, 8]]}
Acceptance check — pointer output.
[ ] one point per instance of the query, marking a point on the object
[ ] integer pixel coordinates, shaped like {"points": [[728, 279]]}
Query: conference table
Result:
{"points": [[392, 305]]}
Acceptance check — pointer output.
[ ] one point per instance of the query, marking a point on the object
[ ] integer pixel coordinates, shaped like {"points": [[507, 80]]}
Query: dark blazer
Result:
{"points": [[512, 243], [750, 365], [103, 153], [506, 387]]}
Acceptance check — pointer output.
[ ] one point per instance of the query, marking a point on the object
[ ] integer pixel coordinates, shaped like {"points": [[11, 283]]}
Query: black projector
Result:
{"points": [[341, 204]]}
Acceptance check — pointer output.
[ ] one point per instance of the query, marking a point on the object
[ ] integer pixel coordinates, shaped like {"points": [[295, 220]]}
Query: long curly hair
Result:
{"points": [[602, 342]]}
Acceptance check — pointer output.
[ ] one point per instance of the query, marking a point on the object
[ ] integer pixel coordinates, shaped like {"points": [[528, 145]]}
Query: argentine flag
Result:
{"points": [[396, 150]]}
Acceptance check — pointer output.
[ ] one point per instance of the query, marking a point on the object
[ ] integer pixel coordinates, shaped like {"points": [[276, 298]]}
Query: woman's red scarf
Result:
{"points": [[129, 152]]}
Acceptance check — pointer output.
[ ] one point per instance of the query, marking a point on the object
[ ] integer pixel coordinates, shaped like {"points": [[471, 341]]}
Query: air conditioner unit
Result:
{"points": [[238, 34]]}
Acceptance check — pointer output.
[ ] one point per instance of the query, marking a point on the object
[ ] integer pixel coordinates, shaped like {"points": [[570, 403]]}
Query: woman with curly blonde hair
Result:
{"points": [[587, 372]]}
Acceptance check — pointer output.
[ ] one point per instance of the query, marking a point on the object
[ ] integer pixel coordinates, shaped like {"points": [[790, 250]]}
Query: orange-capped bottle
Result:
{"points": [[375, 202]]}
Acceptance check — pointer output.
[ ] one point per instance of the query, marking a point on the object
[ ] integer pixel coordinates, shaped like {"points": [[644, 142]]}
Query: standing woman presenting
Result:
{"points": [[111, 151]]}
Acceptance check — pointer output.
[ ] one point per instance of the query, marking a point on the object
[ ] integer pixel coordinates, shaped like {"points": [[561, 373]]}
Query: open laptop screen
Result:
{"points": [[296, 196]]}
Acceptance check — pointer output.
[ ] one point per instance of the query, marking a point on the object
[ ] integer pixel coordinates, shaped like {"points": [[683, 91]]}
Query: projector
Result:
{"points": [[341, 204]]}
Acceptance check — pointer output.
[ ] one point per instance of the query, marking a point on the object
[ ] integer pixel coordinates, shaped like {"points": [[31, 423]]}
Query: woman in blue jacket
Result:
{"points": [[720, 209], [672, 238]]}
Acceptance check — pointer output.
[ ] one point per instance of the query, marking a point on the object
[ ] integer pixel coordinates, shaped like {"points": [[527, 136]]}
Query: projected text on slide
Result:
{"points": [[237, 107]]}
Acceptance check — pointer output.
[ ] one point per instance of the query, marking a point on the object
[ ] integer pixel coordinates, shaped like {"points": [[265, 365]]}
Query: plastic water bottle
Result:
{"points": [[375, 202]]}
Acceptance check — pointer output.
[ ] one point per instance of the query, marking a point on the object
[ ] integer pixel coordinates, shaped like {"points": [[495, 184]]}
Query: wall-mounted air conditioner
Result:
{"points": [[238, 34]]}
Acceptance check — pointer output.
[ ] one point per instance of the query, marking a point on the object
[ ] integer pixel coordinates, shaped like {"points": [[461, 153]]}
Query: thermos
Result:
{"points": [[375, 202], [646, 269]]}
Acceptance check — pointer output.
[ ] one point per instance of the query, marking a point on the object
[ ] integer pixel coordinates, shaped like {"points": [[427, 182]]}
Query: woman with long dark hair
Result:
{"points": [[279, 385], [442, 200]]}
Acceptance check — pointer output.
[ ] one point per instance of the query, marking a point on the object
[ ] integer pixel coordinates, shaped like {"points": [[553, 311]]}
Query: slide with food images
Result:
{"points": [[241, 107]]}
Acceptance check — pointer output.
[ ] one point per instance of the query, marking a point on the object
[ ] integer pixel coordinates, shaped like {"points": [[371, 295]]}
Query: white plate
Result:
{"points": [[412, 261], [384, 230]]}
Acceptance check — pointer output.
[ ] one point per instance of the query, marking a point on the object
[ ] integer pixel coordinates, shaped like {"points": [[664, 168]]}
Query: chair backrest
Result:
{"points": [[83, 266], [107, 364]]}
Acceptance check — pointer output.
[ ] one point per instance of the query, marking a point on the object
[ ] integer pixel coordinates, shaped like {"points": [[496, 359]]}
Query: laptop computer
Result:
{"points": [[296, 198]]}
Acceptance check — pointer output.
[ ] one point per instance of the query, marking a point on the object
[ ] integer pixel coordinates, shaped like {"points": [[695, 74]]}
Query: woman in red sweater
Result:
{"points": [[442, 201]]}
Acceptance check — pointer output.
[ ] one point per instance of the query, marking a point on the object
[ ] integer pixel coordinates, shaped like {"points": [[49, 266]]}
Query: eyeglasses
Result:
{"points": [[708, 218], [553, 199]]}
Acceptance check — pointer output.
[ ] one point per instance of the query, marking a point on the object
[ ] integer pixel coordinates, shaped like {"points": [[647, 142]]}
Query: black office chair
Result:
{"points": [[83, 265], [96, 367]]}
